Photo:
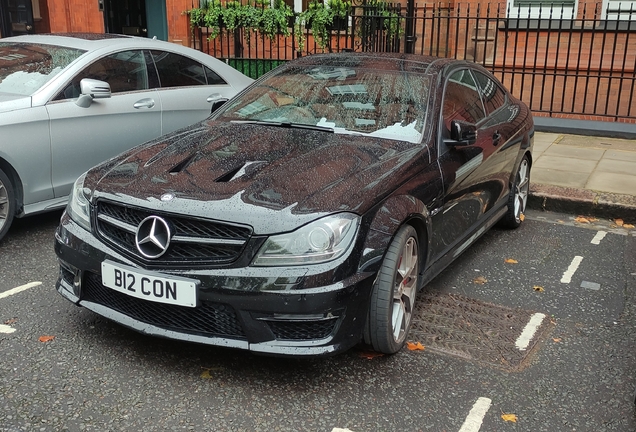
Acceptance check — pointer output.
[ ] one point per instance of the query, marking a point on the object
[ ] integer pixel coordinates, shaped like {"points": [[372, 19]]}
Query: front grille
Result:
{"points": [[208, 319], [302, 330], [194, 241]]}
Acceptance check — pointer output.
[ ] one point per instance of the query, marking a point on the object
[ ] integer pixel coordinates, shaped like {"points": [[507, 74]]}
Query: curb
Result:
{"points": [[582, 202]]}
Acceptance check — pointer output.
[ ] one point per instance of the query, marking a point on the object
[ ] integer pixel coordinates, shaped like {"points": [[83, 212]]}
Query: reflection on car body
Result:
{"points": [[307, 212]]}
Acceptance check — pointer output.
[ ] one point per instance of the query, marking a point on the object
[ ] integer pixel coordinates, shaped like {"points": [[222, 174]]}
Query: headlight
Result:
{"points": [[78, 206], [323, 240]]}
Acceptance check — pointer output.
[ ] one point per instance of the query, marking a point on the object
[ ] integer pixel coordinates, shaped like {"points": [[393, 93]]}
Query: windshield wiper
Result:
{"points": [[285, 124]]}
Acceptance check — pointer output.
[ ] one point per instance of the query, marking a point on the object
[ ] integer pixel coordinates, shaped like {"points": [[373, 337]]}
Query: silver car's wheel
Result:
{"points": [[518, 195], [7, 204], [393, 296]]}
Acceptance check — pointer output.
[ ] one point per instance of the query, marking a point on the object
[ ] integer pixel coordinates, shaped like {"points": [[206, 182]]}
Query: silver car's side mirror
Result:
{"points": [[92, 89]]}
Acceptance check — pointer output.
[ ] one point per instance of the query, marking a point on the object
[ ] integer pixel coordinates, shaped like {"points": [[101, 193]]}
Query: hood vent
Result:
{"points": [[181, 166], [236, 172]]}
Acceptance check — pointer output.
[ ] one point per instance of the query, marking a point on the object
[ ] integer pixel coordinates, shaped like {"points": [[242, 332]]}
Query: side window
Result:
{"points": [[213, 77], [492, 95], [178, 71], [125, 72], [462, 100]]}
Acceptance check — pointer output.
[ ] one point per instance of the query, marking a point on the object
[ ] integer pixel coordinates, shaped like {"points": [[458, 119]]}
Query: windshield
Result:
{"points": [[25, 67], [346, 100]]}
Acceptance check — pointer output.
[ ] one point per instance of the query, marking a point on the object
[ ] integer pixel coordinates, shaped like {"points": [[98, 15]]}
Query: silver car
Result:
{"points": [[68, 102]]}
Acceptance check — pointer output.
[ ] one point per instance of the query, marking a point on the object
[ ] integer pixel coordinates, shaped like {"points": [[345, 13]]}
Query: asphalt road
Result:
{"points": [[538, 324]]}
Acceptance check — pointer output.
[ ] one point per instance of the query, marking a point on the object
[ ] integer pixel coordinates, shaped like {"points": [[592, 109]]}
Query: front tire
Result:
{"points": [[518, 198], [7, 204], [393, 295]]}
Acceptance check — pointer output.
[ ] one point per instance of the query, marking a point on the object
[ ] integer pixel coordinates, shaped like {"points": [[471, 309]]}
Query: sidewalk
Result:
{"points": [[584, 175]]}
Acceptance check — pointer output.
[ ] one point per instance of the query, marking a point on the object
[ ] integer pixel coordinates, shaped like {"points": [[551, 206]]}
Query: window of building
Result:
{"points": [[619, 10], [542, 9]]}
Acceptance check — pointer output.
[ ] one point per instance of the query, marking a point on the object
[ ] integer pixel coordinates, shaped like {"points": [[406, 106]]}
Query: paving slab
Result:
{"points": [[549, 161]]}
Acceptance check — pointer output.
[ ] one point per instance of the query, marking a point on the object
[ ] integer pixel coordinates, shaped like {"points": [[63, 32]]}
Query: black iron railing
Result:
{"points": [[562, 62]]}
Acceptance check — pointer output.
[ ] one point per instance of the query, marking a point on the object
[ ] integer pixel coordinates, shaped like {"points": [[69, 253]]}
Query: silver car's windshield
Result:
{"points": [[346, 100], [26, 67]]}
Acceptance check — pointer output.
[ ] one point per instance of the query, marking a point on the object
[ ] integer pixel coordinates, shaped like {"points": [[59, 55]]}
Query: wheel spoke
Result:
{"points": [[399, 317]]}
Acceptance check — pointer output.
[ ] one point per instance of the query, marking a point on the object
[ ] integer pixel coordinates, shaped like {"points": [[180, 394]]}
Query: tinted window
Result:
{"points": [[213, 78], [178, 71], [124, 71], [24, 67], [461, 99], [493, 95]]}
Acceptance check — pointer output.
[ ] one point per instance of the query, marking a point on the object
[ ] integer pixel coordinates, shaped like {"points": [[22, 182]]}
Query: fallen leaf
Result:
{"points": [[628, 226], [370, 355], [560, 221], [511, 261], [522, 217], [46, 338], [509, 417], [557, 340], [11, 321], [619, 222], [480, 280], [206, 374], [538, 288], [415, 346], [582, 219]]}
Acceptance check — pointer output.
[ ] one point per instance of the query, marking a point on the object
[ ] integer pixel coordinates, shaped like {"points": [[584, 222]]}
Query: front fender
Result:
{"points": [[389, 217]]}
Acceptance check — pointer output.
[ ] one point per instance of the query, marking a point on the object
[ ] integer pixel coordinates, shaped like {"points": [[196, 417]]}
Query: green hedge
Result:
{"points": [[254, 68]]}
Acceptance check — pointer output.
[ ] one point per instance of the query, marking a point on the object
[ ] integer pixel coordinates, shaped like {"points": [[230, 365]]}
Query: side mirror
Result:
{"points": [[92, 89], [462, 134]]}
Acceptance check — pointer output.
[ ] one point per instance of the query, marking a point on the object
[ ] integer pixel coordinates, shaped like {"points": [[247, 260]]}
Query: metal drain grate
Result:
{"points": [[473, 329]]}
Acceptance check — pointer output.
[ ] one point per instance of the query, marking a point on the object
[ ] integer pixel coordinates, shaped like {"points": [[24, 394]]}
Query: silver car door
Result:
{"points": [[84, 137], [188, 89]]}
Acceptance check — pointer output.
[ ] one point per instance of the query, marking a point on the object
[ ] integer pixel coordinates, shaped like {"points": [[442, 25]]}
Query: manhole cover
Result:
{"points": [[475, 330]]}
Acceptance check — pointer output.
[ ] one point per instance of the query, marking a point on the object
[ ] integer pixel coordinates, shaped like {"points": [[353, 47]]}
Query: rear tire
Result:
{"points": [[518, 198], [7, 204], [393, 295]]}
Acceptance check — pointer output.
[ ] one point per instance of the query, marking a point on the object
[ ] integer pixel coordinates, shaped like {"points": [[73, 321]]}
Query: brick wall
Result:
{"points": [[75, 16]]}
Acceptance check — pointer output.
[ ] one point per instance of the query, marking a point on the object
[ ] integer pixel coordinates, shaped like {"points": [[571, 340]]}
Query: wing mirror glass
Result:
{"points": [[92, 89], [462, 133]]}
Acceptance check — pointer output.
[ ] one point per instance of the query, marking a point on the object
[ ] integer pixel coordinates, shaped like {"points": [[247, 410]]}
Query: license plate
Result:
{"points": [[149, 285]]}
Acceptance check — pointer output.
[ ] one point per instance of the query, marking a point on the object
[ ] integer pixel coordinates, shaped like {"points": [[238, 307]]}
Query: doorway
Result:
{"points": [[145, 18], [16, 17]]}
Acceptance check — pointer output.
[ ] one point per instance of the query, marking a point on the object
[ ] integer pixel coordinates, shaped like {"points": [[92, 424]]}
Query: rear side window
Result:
{"points": [[492, 95], [124, 71], [178, 71]]}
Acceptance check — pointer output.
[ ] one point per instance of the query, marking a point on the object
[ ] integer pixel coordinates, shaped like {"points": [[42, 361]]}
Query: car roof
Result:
{"points": [[88, 41], [389, 62]]}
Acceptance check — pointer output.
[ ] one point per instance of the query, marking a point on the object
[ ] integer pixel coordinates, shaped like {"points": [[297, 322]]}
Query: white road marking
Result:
{"points": [[567, 276], [6, 329], [340, 430], [476, 415], [528, 332], [19, 289], [598, 237]]}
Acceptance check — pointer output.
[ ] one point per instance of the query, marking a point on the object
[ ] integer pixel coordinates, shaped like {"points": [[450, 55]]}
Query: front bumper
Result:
{"points": [[257, 309]]}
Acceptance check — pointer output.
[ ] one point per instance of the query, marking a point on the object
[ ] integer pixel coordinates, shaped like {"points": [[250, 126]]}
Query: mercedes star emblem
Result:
{"points": [[153, 237]]}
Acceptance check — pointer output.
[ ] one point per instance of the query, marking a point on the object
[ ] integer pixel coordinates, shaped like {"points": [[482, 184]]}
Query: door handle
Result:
{"points": [[214, 97], [144, 103]]}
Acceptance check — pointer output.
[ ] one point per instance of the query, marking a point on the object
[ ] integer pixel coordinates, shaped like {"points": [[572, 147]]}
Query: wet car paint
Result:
{"points": [[275, 179]]}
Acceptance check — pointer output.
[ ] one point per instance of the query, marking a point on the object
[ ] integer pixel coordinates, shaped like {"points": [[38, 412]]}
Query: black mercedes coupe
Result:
{"points": [[304, 215]]}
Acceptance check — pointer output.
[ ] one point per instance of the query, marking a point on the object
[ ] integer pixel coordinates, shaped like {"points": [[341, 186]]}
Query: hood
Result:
{"points": [[12, 102], [271, 178]]}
